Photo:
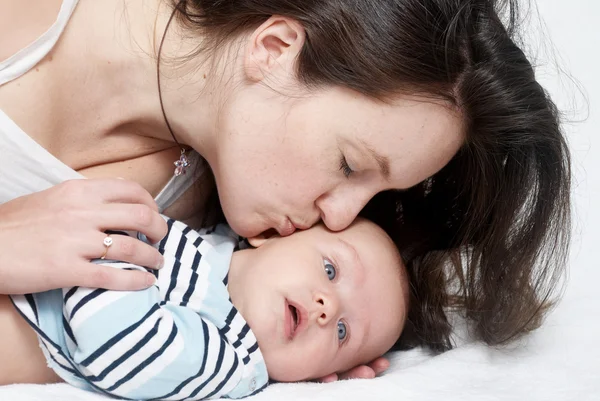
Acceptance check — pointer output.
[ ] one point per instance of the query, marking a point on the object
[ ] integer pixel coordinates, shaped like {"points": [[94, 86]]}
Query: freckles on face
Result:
{"points": [[416, 137], [281, 158], [273, 167]]}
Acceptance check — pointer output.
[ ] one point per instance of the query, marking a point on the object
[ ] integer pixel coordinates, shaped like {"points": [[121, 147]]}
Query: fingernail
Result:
{"points": [[150, 279], [161, 263]]}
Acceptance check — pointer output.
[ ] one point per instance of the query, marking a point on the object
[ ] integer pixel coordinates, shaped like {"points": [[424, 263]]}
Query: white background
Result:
{"points": [[562, 360]]}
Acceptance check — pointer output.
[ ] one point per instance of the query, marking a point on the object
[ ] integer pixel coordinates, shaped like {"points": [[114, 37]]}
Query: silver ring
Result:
{"points": [[108, 241]]}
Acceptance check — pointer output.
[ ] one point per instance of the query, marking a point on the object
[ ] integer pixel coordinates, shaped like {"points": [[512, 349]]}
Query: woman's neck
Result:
{"points": [[110, 66]]}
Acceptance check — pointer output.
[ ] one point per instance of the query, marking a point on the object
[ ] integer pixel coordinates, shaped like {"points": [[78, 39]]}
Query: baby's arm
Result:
{"points": [[152, 343], [133, 345]]}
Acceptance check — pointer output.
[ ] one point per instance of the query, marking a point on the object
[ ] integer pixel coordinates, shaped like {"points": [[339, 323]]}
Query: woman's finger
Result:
{"points": [[131, 217], [330, 378], [118, 191], [98, 276], [359, 372], [127, 249], [379, 365]]}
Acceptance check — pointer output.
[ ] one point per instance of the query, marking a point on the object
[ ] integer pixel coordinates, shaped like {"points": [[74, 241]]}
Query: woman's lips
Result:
{"points": [[286, 228]]}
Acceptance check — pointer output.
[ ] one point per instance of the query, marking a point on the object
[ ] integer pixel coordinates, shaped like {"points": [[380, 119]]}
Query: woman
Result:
{"points": [[303, 111]]}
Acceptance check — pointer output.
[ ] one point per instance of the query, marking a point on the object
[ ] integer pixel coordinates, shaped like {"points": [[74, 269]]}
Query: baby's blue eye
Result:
{"points": [[329, 269], [341, 330]]}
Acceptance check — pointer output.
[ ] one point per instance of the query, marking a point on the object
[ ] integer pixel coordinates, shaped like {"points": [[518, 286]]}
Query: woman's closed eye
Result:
{"points": [[345, 167]]}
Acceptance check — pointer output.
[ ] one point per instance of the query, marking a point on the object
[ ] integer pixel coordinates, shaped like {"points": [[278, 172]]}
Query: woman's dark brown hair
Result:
{"points": [[488, 235]]}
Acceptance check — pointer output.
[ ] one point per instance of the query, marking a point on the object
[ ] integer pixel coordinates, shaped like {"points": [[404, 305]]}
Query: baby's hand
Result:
{"points": [[369, 371]]}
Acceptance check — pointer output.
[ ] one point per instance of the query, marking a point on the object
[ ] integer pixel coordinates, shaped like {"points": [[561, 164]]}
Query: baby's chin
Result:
{"points": [[289, 377], [290, 372], [293, 373]]}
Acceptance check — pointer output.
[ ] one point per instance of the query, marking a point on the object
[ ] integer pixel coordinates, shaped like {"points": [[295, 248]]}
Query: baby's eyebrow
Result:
{"points": [[359, 336], [357, 265]]}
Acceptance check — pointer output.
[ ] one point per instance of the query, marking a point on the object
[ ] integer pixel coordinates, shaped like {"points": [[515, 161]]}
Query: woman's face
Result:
{"points": [[285, 163]]}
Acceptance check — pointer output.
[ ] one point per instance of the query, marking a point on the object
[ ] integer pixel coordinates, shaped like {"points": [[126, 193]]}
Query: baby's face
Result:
{"points": [[320, 302]]}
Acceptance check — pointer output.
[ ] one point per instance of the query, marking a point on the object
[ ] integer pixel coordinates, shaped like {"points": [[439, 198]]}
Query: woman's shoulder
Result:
{"points": [[23, 22]]}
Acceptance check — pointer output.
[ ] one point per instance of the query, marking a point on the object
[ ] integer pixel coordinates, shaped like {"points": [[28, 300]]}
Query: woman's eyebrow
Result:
{"points": [[382, 161]]}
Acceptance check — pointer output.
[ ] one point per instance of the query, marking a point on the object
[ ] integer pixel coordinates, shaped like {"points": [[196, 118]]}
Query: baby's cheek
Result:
{"points": [[319, 359], [296, 361]]}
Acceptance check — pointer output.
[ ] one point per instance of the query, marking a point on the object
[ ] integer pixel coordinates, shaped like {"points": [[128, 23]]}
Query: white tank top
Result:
{"points": [[25, 166]]}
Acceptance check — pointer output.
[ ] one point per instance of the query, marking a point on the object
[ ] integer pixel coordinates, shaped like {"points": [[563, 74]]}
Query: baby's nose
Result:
{"points": [[327, 307]]}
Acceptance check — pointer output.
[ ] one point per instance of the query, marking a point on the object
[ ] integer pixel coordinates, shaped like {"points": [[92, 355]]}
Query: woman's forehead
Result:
{"points": [[409, 142]]}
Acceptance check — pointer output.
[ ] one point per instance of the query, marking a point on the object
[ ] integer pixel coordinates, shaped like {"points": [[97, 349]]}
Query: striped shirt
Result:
{"points": [[181, 339]]}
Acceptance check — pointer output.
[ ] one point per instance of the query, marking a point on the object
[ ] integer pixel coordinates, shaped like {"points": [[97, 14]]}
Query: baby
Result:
{"points": [[221, 322]]}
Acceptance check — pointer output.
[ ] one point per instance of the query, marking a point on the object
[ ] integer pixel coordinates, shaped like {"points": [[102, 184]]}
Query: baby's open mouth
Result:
{"points": [[295, 318]]}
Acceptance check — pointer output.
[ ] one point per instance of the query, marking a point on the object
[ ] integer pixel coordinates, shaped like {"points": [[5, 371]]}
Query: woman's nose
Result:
{"points": [[339, 209], [327, 308]]}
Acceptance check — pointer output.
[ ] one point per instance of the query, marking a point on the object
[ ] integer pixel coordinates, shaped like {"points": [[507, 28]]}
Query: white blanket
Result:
{"points": [[559, 362]]}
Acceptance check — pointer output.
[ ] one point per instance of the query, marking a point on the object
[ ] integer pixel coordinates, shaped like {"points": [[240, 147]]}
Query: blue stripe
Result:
{"points": [[245, 330], [173, 282], [215, 370], [147, 362], [200, 371], [193, 280], [186, 230], [253, 348], [163, 242], [31, 301], [73, 369], [246, 359], [57, 350], [198, 241], [94, 294], [128, 354], [69, 294], [68, 330], [176, 267], [44, 337], [87, 361], [228, 321], [226, 379]]}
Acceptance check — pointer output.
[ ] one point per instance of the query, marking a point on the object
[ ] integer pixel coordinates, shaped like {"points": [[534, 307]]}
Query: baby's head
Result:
{"points": [[321, 302]]}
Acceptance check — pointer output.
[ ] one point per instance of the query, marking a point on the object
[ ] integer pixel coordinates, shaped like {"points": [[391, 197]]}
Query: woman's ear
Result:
{"points": [[273, 47]]}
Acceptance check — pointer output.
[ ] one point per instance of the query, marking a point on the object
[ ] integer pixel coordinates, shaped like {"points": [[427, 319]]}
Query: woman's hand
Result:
{"points": [[48, 238], [369, 371]]}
